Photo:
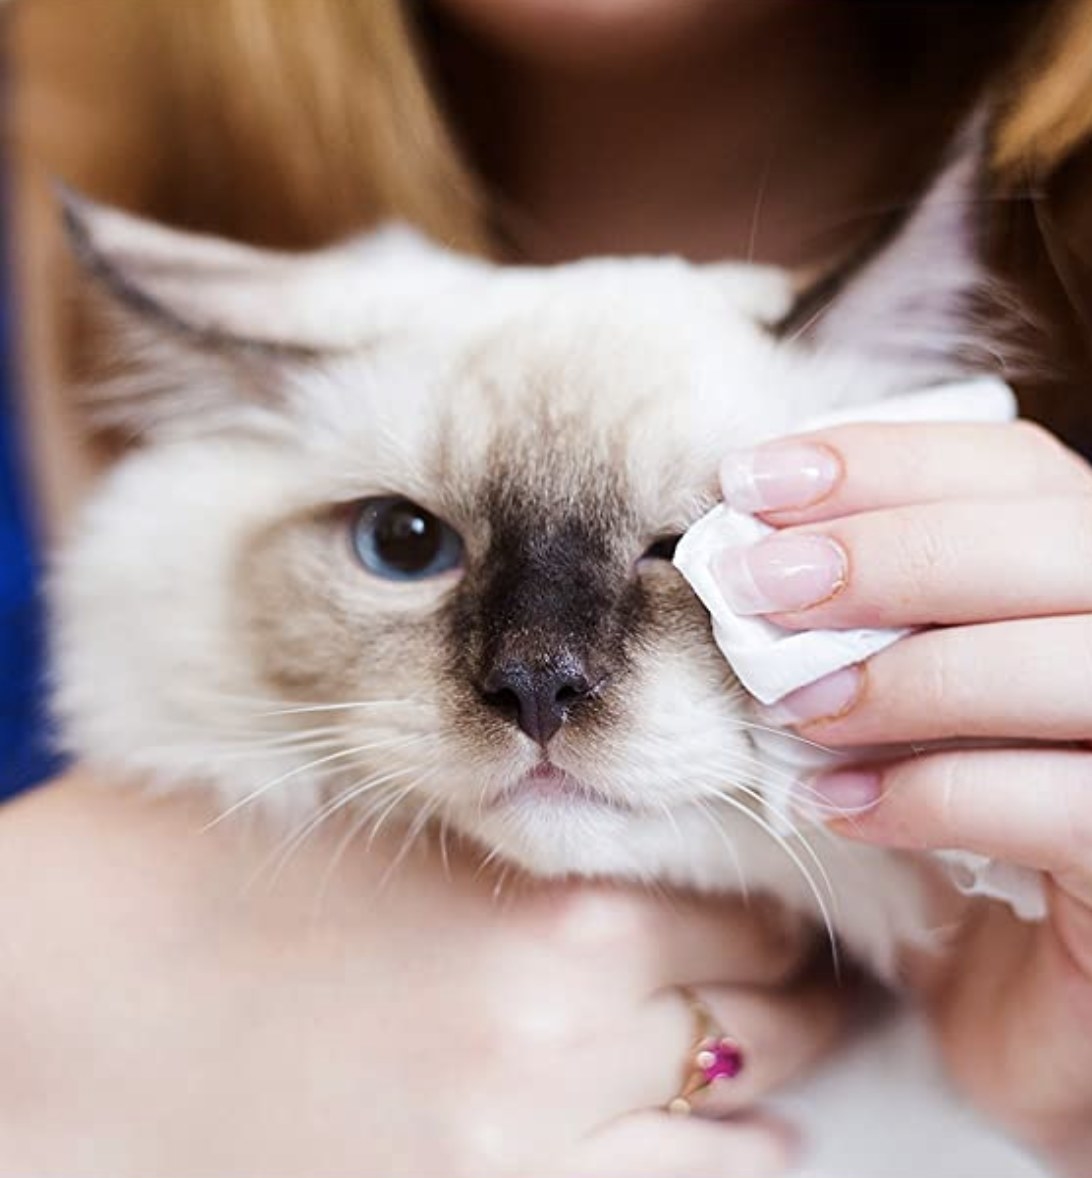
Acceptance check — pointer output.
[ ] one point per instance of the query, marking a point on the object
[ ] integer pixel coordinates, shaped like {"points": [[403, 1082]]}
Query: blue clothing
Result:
{"points": [[25, 753]]}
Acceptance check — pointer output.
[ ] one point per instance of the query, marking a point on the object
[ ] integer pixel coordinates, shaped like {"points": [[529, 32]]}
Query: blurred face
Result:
{"points": [[600, 32]]}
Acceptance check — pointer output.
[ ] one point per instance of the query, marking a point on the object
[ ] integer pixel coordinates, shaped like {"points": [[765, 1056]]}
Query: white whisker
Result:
{"points": [[821, 903], [718, 827], [339, 707], [354, 830], [412, 834], [380, 822], [288, 847], [784, 733], [356, 750]]}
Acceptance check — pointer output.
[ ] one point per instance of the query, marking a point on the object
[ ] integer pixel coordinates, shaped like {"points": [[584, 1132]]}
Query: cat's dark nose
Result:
{"points": [[537, 698]]}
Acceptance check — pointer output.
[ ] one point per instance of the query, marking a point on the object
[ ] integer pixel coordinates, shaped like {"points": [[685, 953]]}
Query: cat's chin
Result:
{"points": [[552, 824]]}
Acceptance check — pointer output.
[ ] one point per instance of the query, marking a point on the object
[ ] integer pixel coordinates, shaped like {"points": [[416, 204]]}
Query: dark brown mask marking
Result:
{"points": [[542, 625]]}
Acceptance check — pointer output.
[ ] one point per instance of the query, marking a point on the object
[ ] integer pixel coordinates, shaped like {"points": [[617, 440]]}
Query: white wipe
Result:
{"points": [[771, 661]]}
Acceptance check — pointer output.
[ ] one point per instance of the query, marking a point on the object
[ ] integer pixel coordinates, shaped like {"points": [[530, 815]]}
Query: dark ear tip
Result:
{"points": [[75, 212]]}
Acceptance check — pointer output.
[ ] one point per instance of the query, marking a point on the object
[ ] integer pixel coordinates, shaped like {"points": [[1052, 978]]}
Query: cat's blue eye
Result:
{"points": [[400, 541]]}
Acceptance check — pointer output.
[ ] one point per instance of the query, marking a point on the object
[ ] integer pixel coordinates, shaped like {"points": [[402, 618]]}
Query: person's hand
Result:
{"points": [[982, 535], [168, 1008]]}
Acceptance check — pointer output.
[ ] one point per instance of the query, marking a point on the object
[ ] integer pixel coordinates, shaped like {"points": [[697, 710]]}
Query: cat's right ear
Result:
{"points": [[220, 292], [181, 323], [199, 328]]}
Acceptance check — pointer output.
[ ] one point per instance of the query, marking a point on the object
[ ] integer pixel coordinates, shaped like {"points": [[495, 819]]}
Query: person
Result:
{"points": [[538, 1036]]}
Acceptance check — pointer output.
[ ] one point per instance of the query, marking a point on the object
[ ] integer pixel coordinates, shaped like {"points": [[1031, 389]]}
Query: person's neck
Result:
{"points": [[766, 143]]}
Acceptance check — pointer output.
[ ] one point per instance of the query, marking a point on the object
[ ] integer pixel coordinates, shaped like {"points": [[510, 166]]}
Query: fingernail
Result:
{"points": [[778, 476], [825, 699], [781, 573], [844, 791]]}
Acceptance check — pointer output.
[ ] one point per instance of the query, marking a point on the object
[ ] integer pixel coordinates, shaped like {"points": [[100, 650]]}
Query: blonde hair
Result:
{"points": [[290, 122], [1050, 114]]}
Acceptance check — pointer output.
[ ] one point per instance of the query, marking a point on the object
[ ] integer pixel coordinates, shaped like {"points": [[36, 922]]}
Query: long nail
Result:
{"points": [[779, 476], [828, 698], [844, 791], [782, 573]]}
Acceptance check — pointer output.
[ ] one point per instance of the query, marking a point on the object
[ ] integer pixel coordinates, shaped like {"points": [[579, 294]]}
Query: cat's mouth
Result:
{"points": [[547, 785]]}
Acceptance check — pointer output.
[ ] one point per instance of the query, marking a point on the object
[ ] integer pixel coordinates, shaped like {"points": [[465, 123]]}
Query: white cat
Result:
{"points": [[398, 540]]}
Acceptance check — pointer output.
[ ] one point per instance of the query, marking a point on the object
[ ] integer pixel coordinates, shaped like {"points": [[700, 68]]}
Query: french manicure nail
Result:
{"points": [[826, 699], [779, 476], [781, 573], [843, 792]]}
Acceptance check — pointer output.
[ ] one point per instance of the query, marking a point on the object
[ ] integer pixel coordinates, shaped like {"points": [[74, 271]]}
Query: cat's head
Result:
{"points": [[397, 537]]}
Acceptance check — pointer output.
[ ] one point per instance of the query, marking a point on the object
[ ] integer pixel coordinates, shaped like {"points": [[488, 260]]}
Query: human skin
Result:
{"points": [[982, 534], [713, 130], [176, 1000]]}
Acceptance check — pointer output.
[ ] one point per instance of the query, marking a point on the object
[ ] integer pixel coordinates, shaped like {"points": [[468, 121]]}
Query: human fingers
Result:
{"points": [[854, 468], [1024, 680], [752, 942], [656, 1145], [1027, 806], [586, 983], [937, 563], [655, 941]]}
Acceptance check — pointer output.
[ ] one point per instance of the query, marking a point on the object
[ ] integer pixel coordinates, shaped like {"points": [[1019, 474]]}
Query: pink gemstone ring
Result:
{"points": [[714, 1057]]}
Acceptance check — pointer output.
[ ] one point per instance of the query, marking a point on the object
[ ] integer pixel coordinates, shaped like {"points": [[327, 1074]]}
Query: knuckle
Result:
{"points": [[548, 1028], [1052, 462], [479, 1143], [939, 802], [940, 677], [1035, 436], [527, 1023], [590, 921], [922, 553]]}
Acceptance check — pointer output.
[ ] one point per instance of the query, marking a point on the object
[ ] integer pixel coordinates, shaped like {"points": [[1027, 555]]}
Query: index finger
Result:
{"points": [[675, 938], [854, 468]]}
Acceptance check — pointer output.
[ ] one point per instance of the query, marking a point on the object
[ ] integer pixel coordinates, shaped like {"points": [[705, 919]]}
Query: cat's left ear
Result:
{"points": [[915, 298]]}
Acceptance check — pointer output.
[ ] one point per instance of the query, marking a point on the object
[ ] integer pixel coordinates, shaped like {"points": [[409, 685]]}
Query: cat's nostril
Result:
{"points": [[503, 699], [538, 699]]}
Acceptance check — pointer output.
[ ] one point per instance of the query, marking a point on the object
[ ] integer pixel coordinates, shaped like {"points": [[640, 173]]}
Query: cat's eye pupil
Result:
{"points": [[397, 540], [406, 538]]}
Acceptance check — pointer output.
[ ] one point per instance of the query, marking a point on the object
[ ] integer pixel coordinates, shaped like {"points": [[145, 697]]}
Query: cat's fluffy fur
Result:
{"points": [[561, 420], [213, 625]]}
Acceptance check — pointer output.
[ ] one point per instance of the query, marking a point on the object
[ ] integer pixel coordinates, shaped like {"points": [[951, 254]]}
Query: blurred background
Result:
{"points": [[26, 755]]}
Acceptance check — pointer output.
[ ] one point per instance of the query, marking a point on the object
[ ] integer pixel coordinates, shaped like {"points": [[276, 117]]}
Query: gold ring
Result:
{"points": [[714, 1057]]}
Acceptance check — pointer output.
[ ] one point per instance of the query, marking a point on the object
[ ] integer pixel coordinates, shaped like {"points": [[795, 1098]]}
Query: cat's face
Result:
{"points": [[416, 563]]}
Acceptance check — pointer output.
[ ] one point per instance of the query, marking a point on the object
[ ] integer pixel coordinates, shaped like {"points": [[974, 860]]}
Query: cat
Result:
{"points": [[397, 538]]}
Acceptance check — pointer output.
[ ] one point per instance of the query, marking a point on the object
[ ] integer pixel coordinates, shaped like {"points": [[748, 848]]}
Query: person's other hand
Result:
{"points": [[170, 1009]]}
